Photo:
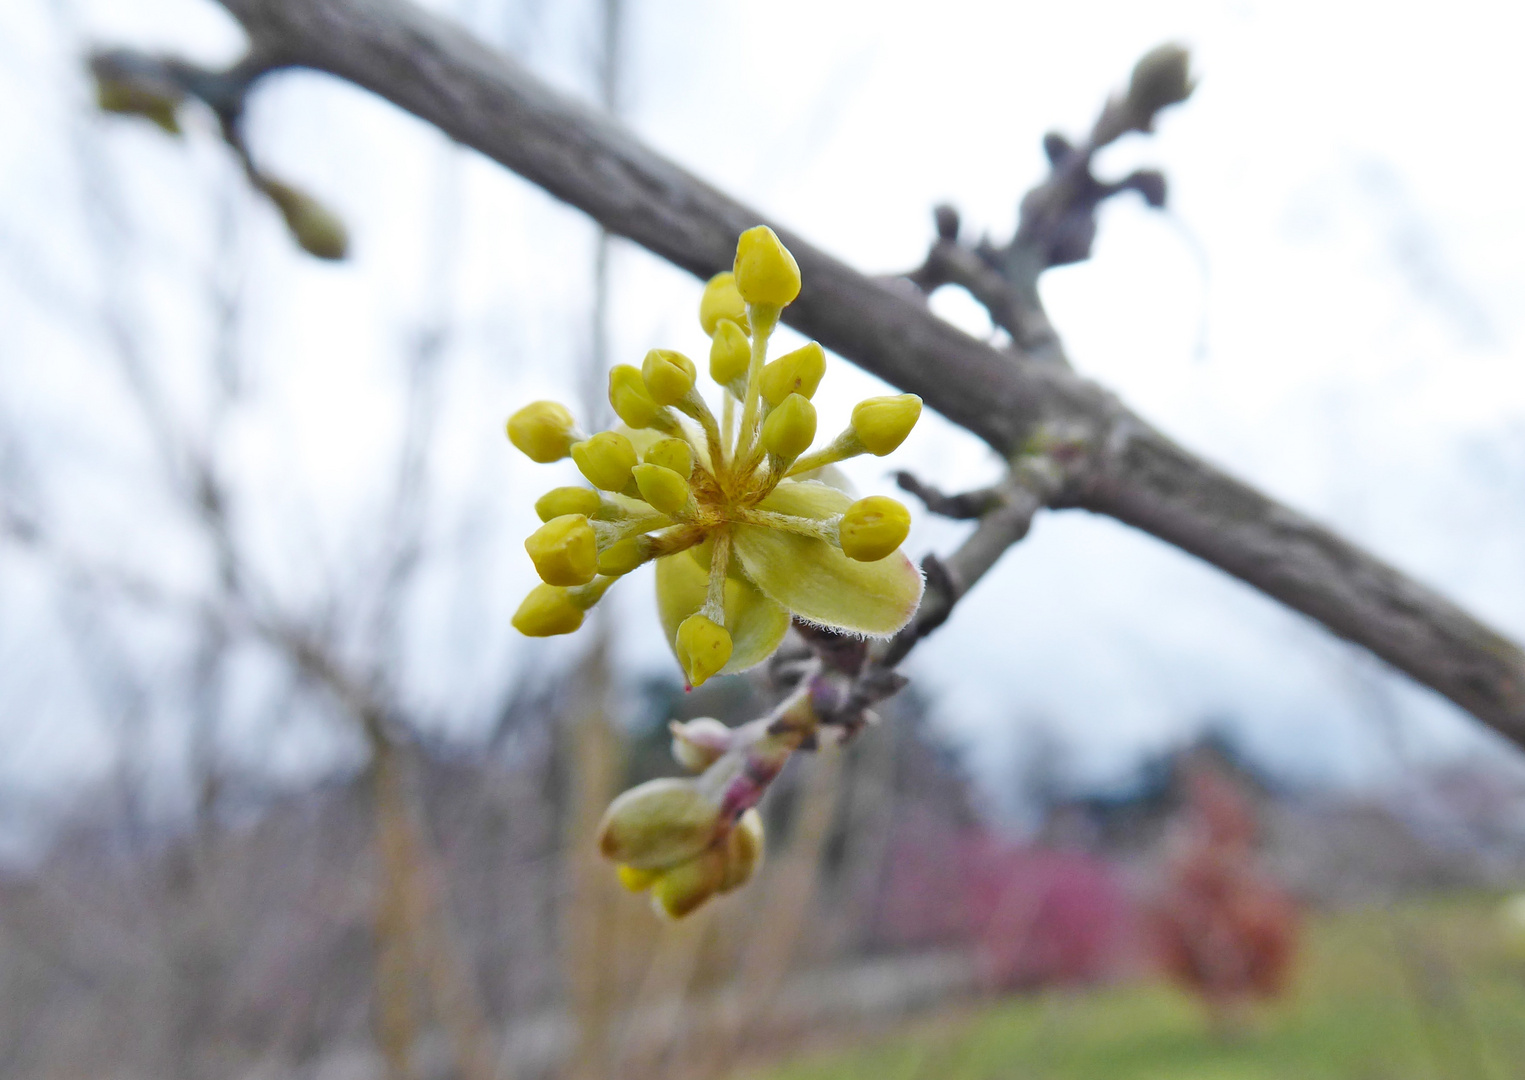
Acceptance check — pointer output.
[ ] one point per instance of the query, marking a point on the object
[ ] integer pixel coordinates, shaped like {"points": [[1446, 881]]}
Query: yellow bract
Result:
{"points": [[742, 540]]}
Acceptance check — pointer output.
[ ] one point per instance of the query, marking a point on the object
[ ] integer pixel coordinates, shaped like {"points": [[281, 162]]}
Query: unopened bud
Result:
{"points": [[699, 743], [882, 423], [790, 428], [543, 430], [631, 400], [1162, 77], [606, 460], [658, 824], [623, 556], [546, 612], [766, 273], [665, 490], [722, 301], [315, 227], [873, 528], [730, 353], [703, 647], [564, 550], [744, 850], [799, 372], [674, 454], [681, 890], [567, 500], [669, 375]]}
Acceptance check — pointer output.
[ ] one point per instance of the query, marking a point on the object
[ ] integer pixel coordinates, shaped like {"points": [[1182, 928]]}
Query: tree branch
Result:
{"points": [[1132, 472]]}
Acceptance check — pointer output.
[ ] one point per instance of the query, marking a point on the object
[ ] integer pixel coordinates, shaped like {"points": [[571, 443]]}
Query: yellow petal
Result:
{"points": [[814, 580], [743, 850], [703, 647], [756, 624]]}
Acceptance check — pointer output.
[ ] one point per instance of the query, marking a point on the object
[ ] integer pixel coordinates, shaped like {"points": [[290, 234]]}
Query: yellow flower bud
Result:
{"points": [[630, 397], [620, 558], [790, 428], [637, 881], [765, 271], [546, 612], [681, 890], [674, 454], [664, 489], [699, 743], [744, 850], [730, 353], [567, 500], [882, 423], [798, 372], [564, 550], [722, 301], [314, 226], [703, 647], [658, 824], [606, 460], [669, 376], [873, 528], [543, 430]]}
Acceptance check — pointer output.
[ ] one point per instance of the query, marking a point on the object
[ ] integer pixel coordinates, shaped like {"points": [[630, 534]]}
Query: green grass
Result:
{"points": [[1423, 992]]}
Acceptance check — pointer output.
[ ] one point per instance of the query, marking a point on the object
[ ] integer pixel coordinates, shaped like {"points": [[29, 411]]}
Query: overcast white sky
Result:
{"points": [[1329, 308]]}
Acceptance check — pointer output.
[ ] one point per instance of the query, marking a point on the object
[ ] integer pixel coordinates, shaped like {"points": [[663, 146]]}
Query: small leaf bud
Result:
{"points": [[543, 430], [882, 423], [606, 460], [622, 557], [730, 353], [873, 528], [790, 428], [798, 372], [546, 612], [766, 273], [703, 647], [315, 227], [564, 550], [664, 489], [630, 398], [1162, 77], [658, 824], [567, 500], [722, 301], [699, 743], [669, 376], [674, 454]]}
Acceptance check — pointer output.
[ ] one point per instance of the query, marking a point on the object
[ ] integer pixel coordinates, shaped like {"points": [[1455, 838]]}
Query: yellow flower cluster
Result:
{"points": [[747, 525]]}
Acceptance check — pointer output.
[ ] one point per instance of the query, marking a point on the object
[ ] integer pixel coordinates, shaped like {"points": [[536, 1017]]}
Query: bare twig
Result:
{"points": [[1134, 473]]}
